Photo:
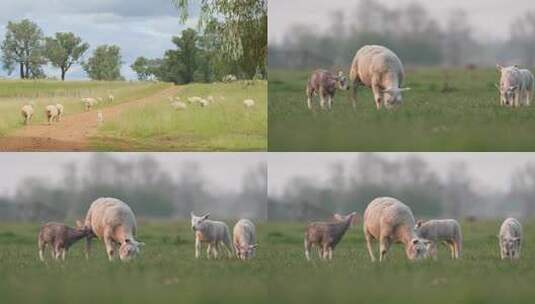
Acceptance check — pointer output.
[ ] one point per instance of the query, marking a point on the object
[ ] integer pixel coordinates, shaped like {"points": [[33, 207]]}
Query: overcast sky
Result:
{"points": [[139, 27], [490, 18], [224, 170], [489, 170]]}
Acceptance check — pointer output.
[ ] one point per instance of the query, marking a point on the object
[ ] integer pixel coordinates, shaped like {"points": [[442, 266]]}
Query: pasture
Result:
{"points": [[225, 125], [167, 272], [453, 110]]}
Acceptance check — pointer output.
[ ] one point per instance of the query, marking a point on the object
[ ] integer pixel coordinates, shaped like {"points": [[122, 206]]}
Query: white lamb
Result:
{"points": [[111, 98], [60, 112], [51, 113], [248, 103], [179, 105], [114, 222], [204, 103], [215, 233], [27, 113], [194, 99], [381, 70], [89, 103], [244, 239], [446, 231], [390, 221], [100, 117], [510, 238]]}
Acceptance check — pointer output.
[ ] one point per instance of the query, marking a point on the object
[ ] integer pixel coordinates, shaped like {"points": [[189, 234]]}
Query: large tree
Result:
{"points": [[63, 50], [105, 63], [23, 47]]}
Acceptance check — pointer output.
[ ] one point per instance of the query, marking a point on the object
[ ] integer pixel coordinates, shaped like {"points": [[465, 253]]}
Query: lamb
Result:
{"points": [[210, 99], [194, 99], [204, 103], [510, 86], [60, 111], [324, 83], [114, 222], [215, 233], [51, 113], [60, 238], [244, 239], [89, 103], [27, 113], [380, 69], [447, 231], [390, 221], [111, 98], [527, 84], [179, 105], [326, 235], [510, 238], [229, 78], [100, 117], [248, 103]]}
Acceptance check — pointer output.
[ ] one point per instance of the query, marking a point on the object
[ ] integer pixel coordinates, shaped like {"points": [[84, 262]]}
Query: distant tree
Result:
{"points": [[458, 37], [181, 64], [105, 64], [523, 34], [141, 67], [64, 50], [23, 46]]}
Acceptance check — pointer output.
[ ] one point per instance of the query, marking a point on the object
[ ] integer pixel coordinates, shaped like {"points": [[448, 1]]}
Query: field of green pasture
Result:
{"points": [[453, 110], [225, 125], [167, 272]]}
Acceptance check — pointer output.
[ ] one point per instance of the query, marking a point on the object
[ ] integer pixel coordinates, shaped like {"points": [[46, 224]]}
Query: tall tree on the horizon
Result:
{"points": [[63, 50], [105, 64]]}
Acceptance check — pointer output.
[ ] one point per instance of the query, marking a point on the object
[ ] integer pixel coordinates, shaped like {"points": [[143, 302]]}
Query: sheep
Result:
{"points": [[204, 103], [510, 85], [51, 113], [510, 239], [60, 238], [194, 99], [111, 98], [390, 221], [244, 239], [527, 84], [447, 231], [210, 99], [89, 103], [326, 236], [248, 103], [114, 222], [100, 117], [229, 78], [179, 105], [324, 83], [215, 233], [27, 113], [380, 69], [60, 111]]}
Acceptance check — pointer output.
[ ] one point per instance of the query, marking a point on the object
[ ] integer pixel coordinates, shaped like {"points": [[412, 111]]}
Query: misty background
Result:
{"points": [[471, 33], [312, 186], [41, 187]]}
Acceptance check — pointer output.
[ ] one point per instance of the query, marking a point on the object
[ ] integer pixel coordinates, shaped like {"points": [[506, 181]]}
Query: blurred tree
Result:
{"points": [[105, 63], [63, 50], [523, 34]]}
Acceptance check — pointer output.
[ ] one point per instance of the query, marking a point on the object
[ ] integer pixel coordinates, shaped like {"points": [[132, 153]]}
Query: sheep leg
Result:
{"points": [[330, 102], [215, 251], [63, 254], [209, 250], [377, 95], [307, 249], [227, 248], [42, 247], [108, 242], [369, 239], [309, 97], [330, 253], [197, 248], [384, 244], [322, 98]]}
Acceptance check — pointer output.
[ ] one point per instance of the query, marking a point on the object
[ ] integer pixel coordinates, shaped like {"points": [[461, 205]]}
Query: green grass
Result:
{"points": [[224, 126], [15, 93], [466, 117], [167, 272]]}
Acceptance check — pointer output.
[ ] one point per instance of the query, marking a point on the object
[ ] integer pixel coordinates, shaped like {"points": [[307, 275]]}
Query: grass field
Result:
{"points": [[465, 116], [225, 125], [167, 272]]}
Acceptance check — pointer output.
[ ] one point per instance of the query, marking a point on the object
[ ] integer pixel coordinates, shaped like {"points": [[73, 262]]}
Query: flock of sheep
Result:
{"points": [[177, 103], [380, 69], [53, 113], [389, 221]]}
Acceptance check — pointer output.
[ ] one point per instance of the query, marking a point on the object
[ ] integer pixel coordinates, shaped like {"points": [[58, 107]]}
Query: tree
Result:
{"points": [[105, 64], [141, 67], [523, 34], [23, 46], [180, 65], [64, 50]]}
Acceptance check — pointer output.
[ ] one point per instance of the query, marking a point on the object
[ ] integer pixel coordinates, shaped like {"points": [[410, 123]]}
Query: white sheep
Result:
{"points": [[248, 103], [194, 99], [527, 84], [60, 238], [27, 113], [204, 103], [215, 233], [210, 99], [114, 222], [447, 231], [89, 103], [381, 70], [111, 98], [179, 105], [390, 221], [229, 78], [61, 110], [244, 239], [100, 117], [51, 113], [510, 239], [326, 235], [510, 85]]}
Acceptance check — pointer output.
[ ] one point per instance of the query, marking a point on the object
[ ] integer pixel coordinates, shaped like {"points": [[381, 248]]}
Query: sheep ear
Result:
{"points": [[499, 67], [140, 244], [206, 215], [415, 241]]}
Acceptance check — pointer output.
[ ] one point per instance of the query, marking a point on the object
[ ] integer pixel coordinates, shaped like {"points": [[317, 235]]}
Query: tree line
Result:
{"points": [[26, 49]]}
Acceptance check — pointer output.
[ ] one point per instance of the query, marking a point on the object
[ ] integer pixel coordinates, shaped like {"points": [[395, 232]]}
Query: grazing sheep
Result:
{"points": [[100, 117], [51, 113], [229, 78], [204, 103], [381, 70], [248, 103], [27, 113], [244, 239], [194, 99], [446, 231], [210, 99], [215, 233], [114, 222], [324, 83], [179, 105], [89, 103], [60, 238], [527, 84], [510, 238], [390, 221], [510, 86], [111, 98], [326, 235], [60, 111]]}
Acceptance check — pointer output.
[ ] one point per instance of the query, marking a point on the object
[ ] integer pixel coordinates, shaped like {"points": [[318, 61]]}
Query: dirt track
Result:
{"points": [[73, 132]]}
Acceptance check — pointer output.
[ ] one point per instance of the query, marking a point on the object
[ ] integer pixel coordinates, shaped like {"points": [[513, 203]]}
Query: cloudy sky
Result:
{"points": [[139, 27], [489, 18], [223, 170], [489, 170]]}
